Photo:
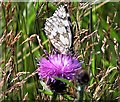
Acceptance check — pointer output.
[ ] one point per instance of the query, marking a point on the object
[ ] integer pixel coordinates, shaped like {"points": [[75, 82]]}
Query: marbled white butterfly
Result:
{"points": [[58, 29]]}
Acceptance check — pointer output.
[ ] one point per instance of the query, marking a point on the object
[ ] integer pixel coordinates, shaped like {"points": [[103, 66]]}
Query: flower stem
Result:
{"points": [[81, 94], [54, 97]]}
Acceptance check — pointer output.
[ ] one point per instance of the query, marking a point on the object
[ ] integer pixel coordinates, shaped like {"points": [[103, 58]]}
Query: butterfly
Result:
{"points": [[58, 29]]}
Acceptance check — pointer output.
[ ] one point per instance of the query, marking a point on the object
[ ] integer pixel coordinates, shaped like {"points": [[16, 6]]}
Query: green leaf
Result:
{"points": [[46, 92], [65, 81], [68, 97]]}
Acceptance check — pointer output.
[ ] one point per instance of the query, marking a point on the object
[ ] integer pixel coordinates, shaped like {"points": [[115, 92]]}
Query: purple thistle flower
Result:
{"points": [[59, 65]]}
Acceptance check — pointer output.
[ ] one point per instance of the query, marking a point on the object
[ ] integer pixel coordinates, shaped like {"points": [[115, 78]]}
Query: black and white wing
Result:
{"points": [[58, 29]]}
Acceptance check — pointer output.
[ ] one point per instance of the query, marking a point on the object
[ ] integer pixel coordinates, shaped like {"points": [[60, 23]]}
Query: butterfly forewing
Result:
{"points": [[58, 30]]}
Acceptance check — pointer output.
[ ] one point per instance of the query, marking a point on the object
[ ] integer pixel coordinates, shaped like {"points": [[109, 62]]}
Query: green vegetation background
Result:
{"points": [[22, 40]]}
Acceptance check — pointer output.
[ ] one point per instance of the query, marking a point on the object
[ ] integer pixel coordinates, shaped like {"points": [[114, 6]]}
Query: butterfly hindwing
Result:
{"points": [[58, 29]]}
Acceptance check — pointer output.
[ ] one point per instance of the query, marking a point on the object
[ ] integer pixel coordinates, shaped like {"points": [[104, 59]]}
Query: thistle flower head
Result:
{"points": [[58, 65]]}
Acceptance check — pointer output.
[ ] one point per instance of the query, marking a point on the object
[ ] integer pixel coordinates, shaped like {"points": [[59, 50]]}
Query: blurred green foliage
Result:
{"points": [[28, 19]]}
